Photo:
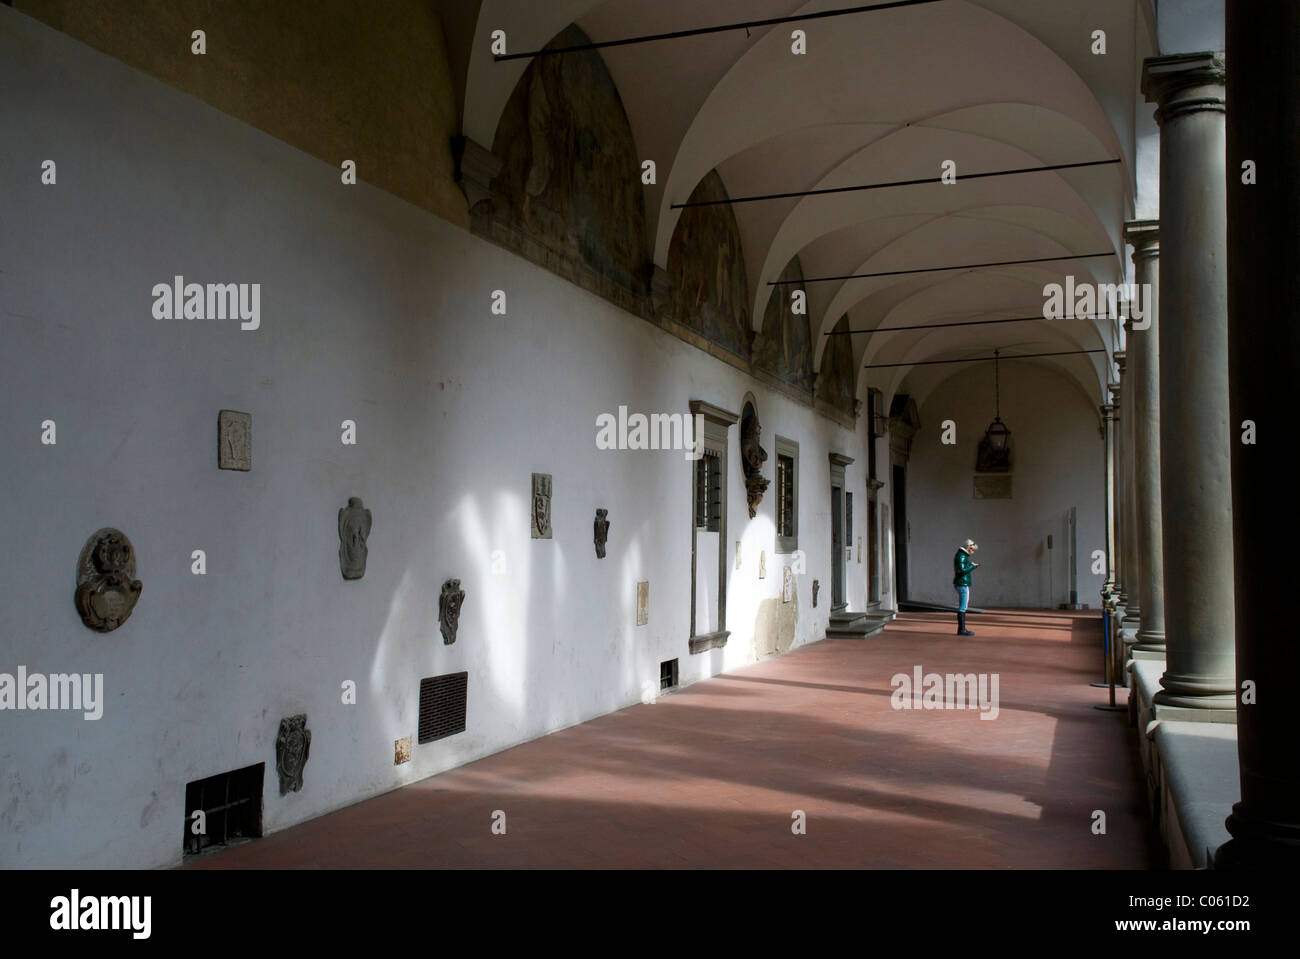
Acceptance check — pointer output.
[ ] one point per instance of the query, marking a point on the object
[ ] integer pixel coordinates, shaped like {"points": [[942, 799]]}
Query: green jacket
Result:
{"points": [[962, 565]]}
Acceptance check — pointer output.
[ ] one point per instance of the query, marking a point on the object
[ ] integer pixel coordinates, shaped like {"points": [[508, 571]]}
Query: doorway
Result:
{"points": [[837, 548], [900, 530], [873, 561]]}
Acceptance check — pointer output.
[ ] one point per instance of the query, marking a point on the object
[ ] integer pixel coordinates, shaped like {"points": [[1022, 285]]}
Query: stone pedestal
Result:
{"points": [[1195, 434]]}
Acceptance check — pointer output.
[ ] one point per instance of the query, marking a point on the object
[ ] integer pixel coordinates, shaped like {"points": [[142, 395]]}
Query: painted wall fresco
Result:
{"points": [[570, 176], [304, 73], [707, 267], [784, 346], [837, 382]]}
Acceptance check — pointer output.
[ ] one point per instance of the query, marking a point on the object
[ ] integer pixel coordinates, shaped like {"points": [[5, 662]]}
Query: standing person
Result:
{"points": [[962, 565]]}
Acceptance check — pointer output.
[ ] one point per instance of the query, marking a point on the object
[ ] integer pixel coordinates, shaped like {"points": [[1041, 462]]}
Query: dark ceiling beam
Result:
{"points": [[937, 269], [721, 28], [892, 183], [982, 359], [941, 326]]}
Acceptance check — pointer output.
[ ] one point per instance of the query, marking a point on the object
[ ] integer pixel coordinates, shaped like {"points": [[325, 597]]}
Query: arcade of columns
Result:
{"points": [[1184, 491]]}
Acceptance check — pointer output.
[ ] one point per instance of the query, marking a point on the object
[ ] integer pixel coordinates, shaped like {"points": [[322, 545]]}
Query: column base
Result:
{"points": [[1258, 845], [1150, 644], [1214, 702]]}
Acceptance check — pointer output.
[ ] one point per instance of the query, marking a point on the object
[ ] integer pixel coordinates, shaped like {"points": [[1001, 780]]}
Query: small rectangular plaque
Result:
{"points": [[993, 487], [234, 440], [643, 602]]}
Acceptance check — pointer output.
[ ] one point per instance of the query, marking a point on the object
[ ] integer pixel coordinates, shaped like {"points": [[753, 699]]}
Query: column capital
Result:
{"points": [[1144, 235], [475, 168], [1121, 360], [1184, 83]]}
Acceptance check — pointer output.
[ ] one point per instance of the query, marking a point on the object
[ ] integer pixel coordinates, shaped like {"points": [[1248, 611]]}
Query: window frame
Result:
{"points": [[788, 449], [715, 439]]}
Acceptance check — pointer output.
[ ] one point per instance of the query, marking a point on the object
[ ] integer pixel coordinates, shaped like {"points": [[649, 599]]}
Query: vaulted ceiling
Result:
{"points": [[879, 96]]}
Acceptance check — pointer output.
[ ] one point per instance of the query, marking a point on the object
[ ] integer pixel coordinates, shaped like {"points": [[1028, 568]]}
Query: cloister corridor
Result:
{"points": [[712, 775]]}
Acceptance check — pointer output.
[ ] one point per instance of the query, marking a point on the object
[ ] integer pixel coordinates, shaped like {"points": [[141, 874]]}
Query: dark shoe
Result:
{"points": [[961, 625]]}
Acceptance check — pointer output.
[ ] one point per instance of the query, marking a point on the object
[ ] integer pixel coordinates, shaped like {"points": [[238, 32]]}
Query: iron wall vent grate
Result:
{"points": [[442, 706], [232, 809], [668, 674]]}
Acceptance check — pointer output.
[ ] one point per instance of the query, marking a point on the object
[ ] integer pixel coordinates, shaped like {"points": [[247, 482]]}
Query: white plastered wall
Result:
{"points": [[374, 311]]}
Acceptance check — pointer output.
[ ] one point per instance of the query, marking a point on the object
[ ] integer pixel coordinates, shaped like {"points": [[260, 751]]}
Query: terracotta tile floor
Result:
{"points": [[710, 775]]}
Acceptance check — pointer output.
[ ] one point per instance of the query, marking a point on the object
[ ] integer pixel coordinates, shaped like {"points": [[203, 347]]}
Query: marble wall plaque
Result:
{"points": [[787, 584], [643, 602], [762, 564], [541, 511], [106, 585], [234, 440], [993, 487]]}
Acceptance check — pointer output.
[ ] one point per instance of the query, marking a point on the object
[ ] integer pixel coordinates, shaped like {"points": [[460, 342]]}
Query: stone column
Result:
{"points": [[1144, 359], [1108, 437], [1117, 474], [1263, 357], [1132, 577], [1195, 481]]}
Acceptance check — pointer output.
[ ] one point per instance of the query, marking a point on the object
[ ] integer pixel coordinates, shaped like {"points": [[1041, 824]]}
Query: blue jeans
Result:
{"points": [[963, 597]]}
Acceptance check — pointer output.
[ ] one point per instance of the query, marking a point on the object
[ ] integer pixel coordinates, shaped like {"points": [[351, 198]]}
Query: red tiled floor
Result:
{"points": [[710, 776]]}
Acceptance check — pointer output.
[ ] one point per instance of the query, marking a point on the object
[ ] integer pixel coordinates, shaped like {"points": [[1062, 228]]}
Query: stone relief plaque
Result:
{"points": [[762, 564], [449, 604], [354, 531], [107, 589], [234, 440], [787, 584], [402, 750], [292, 746], [997, 486], [541, 506], [752, 458], [817, 586], [601, 530], [643, 602]]}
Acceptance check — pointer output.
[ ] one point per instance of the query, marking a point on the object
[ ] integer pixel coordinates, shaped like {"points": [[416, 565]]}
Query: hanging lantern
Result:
{"points": [[994, 454]]}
